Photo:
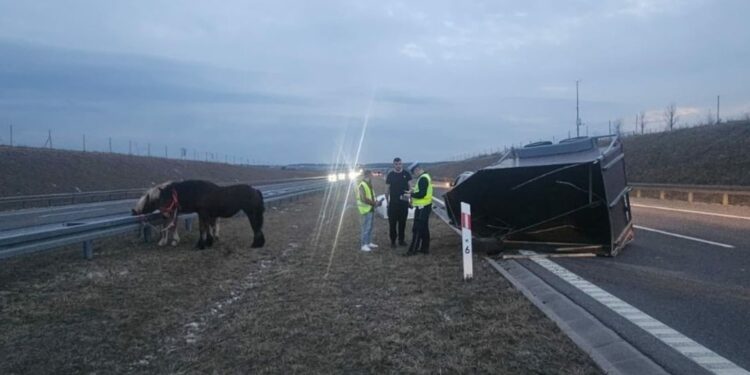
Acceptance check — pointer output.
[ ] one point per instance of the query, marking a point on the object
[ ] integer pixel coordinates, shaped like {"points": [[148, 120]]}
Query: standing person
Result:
{"points": [[422, 202], [366, 205], [398, 208]]}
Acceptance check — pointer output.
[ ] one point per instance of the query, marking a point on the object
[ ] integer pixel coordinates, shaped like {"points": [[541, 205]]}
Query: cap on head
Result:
{"points": [[414, 166]]}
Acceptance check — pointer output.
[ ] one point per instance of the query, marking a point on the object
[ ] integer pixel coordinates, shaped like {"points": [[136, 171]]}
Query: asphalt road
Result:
{"points": [[699, 289]]}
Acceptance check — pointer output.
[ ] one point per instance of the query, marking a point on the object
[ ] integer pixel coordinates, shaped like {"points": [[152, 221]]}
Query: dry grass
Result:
{"points": [[28, 170], [230, 309], [702, 155]]}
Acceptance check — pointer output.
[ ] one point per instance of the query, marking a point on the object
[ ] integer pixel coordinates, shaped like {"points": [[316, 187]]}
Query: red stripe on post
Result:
{"points": [[466, 221]]}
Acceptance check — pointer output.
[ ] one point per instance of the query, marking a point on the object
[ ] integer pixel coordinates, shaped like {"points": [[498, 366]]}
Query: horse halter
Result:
{"points": [[172, 205]]}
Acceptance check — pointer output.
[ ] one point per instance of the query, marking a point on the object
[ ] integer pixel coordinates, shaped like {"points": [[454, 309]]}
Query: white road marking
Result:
{"points": [[699, 354], [691, 211], [72, 212], [684, 237]]}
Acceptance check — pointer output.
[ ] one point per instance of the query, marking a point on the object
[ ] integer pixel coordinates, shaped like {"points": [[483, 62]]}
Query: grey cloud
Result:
{"points": [[289, 80], [35, 72]]}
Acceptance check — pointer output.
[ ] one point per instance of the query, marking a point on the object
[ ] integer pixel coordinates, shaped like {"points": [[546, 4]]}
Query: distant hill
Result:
{"points": [[449, 170], [25, 171], [701, 155]]}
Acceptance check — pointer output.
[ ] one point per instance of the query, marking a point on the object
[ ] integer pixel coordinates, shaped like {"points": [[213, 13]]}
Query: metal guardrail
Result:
{"points": [[49, 200], [61, 199], [85, 233], [720, 194]]}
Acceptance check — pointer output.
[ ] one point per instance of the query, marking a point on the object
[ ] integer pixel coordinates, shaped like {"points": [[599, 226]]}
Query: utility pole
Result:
{"points": [[578, 116], [84, 143], [718, 97], [166, 155], [610, 126], [130, 147], [110, 145], [11, 135]]}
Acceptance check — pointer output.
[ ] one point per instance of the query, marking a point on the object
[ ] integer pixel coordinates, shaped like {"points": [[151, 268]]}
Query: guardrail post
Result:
{"points": [[661, 194], [725, 199], [88, 249], [147, 234], [690, 196], [188, 224]]}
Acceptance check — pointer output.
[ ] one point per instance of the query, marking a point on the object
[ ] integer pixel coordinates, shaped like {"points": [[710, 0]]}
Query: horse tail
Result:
{"points": [[256, 219], [262, 205], [261, 209]]}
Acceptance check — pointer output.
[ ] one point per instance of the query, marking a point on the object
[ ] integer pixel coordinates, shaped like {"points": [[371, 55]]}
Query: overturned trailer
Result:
{"points": [[566, 197]]}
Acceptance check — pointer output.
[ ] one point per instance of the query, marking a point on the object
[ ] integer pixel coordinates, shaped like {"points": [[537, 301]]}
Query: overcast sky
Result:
{"points": [[293, 81]]}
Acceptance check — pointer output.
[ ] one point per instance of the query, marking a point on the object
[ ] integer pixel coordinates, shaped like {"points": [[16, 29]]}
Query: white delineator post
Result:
{"points": [[466, 240]]}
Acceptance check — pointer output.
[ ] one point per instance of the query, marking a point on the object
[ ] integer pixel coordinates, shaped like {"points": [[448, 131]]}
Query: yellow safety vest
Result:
{"points": [[361, 205], [421, 202]]}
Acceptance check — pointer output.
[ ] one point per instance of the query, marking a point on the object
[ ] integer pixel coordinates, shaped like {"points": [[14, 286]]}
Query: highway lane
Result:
{"points": [[12, 222], [701, 290]]}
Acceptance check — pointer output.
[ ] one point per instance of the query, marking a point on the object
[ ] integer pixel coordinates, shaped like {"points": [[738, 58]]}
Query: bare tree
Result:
{"points": [[617, 126], [670, 116], [642, 121], [710, 118]]}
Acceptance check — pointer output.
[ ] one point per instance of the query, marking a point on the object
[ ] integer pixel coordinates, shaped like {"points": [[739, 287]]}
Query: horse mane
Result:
{"points": [[149, 201]]}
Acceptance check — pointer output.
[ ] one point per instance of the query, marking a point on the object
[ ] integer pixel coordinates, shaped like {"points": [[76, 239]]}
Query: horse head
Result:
{"points": [[149, 202]]}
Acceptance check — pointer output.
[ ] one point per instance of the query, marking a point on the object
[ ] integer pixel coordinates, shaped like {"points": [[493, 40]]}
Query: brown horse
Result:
{"points": [[210, 202]]}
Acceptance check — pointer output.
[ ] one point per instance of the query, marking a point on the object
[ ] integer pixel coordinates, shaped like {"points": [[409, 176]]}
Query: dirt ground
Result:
{"points": [[308, 302]]}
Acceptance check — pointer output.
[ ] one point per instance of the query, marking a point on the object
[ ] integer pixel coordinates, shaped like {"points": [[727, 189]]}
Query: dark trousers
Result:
{"points": [[421, 230], [397, 213]]}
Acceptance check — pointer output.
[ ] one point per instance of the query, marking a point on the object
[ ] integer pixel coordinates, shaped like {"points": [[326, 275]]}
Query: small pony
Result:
{"points": [[149, 203], [210, 202]]}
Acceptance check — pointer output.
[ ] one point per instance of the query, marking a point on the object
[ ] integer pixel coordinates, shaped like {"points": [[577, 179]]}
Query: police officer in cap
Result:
{"points": [[421, 199]]}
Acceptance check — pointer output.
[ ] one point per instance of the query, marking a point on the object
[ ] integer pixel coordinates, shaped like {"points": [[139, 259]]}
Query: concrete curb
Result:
{"points": [[609, 351]]}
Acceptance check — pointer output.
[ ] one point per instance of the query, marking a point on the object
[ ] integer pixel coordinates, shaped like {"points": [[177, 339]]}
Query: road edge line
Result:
{"points": [[584, 340]]}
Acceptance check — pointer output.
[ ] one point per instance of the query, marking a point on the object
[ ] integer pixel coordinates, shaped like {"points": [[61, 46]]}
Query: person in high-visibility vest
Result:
{"points": [[366, 205], [421, 199]]}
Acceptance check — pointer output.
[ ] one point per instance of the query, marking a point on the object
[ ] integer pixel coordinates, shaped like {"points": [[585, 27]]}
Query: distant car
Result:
{"points": [[461, 178]]}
